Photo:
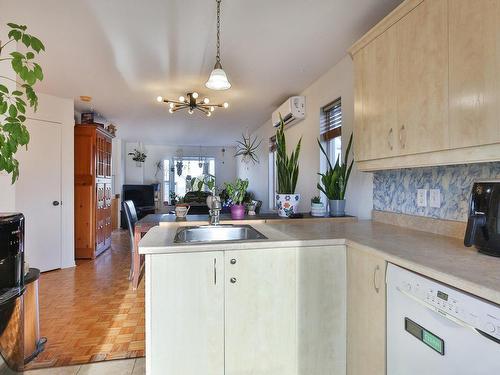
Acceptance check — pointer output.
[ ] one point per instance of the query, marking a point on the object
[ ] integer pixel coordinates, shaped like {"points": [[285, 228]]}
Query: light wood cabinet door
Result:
{"points": [[185, 314], [366, 330], [260, 315], [375, 98], [474, 72], [422, 78]]}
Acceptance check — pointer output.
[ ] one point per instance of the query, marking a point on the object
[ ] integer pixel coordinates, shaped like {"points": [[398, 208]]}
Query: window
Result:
{"points": [[331, 129], [272, 173], [166, 180], [190, 168]]}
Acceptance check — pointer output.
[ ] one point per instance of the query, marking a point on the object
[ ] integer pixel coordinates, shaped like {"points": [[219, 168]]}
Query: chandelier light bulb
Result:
{"points": [[171, 110], [212, 108], [209, 114], [190, 111], [206, 100], [172, 105], [159, 99], [195, 95], [226, 105], [181, 98]]}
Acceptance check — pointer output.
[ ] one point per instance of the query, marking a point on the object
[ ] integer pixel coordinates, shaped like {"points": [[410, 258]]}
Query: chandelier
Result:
{"points": [[191, 104], [218, 78]]}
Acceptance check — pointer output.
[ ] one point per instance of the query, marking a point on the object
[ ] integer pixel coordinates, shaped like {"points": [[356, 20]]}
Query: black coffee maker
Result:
{"points": [[483, 225], [11, 252]]}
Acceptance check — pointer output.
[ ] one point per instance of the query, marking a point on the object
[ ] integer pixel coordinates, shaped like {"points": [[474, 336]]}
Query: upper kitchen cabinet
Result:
{"points": [[474, 72], [422, 79], [427, 88]]}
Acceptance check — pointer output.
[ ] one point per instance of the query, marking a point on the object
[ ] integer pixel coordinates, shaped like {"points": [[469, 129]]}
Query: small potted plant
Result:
{"points": [[317, 207], [236, 193], [287, 167], [138, 156], [334, 181]]}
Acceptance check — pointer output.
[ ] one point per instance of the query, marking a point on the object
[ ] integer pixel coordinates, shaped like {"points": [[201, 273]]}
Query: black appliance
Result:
{"points": [[483, 225], [143, 197]]}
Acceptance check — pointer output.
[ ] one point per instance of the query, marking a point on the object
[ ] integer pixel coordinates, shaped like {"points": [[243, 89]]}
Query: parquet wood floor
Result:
{"points": [[90, 313]]}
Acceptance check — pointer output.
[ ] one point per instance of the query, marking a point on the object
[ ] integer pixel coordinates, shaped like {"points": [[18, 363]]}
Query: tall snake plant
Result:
{"points": [[334, 180], [287, 166]]}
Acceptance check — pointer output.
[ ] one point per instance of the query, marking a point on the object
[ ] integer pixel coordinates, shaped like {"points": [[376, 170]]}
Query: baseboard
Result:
{"points": [[449, 228]]}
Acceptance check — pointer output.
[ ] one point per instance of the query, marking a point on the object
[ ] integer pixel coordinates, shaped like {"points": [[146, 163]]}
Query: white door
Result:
{"points": [[185, 314], [260, 323], [38, 194]]}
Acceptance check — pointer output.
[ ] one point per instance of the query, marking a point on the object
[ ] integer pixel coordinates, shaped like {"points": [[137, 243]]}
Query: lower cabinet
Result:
{"points": [[366, 301], [260, 304], [185, 314]]}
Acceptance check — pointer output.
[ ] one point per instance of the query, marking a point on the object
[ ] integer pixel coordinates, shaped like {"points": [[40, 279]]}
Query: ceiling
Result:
{"points": [[124, 53]]}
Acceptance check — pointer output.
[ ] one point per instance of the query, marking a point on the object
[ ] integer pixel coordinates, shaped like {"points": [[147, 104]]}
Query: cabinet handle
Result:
{"points": [[389, 139], [233, 261], [402, 136], [233, 280], [375, 272], [215, 271]]}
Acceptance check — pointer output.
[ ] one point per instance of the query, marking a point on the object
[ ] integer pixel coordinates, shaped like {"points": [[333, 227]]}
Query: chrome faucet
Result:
{"points": [[214, 205]]}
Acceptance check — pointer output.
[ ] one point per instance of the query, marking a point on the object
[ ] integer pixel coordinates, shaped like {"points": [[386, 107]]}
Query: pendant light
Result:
{"points": [[218, 78]]}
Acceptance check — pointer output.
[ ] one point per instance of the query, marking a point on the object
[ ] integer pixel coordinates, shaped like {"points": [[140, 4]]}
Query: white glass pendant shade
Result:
{"points": [[218, 79]]}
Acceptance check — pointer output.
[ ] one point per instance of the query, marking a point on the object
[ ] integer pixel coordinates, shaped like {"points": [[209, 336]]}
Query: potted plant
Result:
{"points": [[138, 156], [334, 181], [236, 193], [317, 207], [287, 167], [247, 149], [249, 203]]}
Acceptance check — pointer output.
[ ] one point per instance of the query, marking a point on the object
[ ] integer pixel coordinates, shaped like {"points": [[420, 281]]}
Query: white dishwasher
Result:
{"points": [[433, 328]]}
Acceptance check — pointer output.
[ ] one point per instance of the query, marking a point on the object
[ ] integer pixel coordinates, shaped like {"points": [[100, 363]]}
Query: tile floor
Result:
{"points": [[90, 313], [117, 367]]}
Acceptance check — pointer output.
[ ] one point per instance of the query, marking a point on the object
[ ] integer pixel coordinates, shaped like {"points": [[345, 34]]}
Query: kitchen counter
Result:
{"points": [[442, 258]]}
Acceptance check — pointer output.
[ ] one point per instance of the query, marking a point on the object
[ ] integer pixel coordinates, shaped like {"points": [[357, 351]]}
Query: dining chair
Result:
{"points": [[131, 219]]}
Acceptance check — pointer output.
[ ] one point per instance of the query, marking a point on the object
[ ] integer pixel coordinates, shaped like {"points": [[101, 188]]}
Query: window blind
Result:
{"points": [[331, 120]]}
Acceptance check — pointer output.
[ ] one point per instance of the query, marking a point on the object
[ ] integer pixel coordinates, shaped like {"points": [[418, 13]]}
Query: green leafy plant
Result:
{"points": [[13, 132], [138, 155], [237, 191], [247, 149], [334, 181], [207, 180], [287, 166], [316, 200]]}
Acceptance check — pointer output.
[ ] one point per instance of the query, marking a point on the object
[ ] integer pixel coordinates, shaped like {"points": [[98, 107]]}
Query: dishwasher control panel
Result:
{"points": [[465, 308]]}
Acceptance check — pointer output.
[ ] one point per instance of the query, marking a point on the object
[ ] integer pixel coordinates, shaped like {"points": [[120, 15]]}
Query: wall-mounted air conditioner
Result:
{"points": [[292, 111]]}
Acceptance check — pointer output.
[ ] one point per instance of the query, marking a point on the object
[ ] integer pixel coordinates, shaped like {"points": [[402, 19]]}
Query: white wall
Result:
{"points": [[225, 166], [337, 82]]}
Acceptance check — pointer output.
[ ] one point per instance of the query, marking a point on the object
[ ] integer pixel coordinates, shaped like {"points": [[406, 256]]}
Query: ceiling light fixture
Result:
{"points": [[218, 78], [191, 104]]}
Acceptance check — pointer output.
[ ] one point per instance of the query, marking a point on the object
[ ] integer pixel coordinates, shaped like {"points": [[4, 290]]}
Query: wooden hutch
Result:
{"points": [[93, 190]]}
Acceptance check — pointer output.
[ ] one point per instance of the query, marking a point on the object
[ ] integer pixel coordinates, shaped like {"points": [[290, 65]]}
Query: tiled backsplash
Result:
{"points": [[396, 190]]}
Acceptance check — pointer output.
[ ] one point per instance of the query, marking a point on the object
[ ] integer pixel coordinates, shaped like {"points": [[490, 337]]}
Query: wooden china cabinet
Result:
{"points": [[93, 190]]}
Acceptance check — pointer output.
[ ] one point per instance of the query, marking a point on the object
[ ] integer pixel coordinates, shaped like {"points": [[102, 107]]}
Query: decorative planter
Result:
{"points": [[337, 207], [237, 212], [250, 209], [317, 209], [287, 204], [138, 164]]}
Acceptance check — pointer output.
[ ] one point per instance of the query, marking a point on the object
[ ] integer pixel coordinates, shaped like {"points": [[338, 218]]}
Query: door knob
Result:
{"points": [[55, 203], [233, 280], [233, 261]]}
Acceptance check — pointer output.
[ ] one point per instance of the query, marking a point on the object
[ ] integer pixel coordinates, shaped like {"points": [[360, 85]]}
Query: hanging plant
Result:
{"points": [[13, 131], [179, 166], [138, 156], [247, 149]]}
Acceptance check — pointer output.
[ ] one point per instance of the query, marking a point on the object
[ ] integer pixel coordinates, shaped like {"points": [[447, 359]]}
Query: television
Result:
{"points": [[141, 195]]}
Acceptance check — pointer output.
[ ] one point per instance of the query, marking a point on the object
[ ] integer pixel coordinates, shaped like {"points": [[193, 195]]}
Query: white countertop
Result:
{"points": [[442, 258]]}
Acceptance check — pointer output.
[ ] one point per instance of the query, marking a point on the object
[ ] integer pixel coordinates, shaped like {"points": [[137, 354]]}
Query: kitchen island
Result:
{"points": [[297, 295]]}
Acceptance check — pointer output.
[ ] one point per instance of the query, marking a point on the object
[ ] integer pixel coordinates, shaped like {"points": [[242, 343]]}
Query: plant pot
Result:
{"points": [[237, 212], [287, 204], [337, 207], [138, 164], [317, 209]]}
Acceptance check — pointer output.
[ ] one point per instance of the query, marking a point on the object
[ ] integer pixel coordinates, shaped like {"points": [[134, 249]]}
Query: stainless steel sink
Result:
{"points": [[217, 233]]}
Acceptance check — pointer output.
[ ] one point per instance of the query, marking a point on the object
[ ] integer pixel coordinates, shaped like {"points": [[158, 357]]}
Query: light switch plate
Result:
{"points": [[435, 198], [422, 197]]}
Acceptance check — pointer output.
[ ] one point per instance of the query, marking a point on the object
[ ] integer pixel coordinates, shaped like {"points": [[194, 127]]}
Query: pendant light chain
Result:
{"points": [[217, 58]]}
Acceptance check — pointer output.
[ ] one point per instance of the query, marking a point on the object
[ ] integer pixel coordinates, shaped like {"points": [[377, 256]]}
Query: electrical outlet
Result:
{"points": [[422, 197], [435, 198]]}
